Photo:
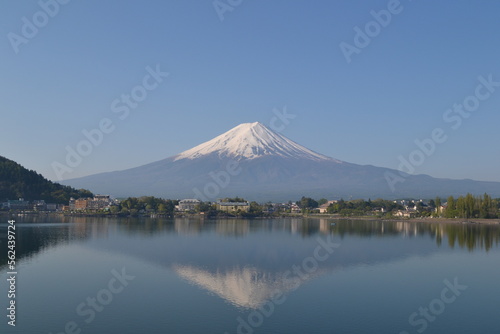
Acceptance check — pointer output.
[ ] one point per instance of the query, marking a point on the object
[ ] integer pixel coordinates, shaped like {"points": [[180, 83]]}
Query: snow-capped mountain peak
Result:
{"points": [[250, 141]]}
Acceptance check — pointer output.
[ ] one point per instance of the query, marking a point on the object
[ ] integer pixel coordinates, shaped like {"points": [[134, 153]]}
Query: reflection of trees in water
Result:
{"points": [[470, 236], [42, 232], [473, 236], [144, 226], [35, 234]]}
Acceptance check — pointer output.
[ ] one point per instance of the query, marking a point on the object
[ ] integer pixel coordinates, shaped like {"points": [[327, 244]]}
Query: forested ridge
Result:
{"points": [[18, 182]]}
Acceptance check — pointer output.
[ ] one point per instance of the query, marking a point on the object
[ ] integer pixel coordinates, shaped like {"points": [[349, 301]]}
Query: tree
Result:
{"points": [[322, 201], [332, 208], [307, 203], [437, 201], [162, 208], [234, 199], [133, 205], [486, 206], [432, 204], [255, 208], [203, 207], [19, 182], [114, 209], [470, 205], [451, 211], [461, 210]]}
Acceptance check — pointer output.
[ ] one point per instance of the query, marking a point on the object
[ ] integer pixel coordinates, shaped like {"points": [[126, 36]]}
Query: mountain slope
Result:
{"points": [[19, 182], [252, 161]]}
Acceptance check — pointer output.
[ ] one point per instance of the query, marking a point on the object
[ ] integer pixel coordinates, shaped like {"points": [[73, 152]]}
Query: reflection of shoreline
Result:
{"points": [[463, 221], [472, 221], [450, 232], [478, 221]]}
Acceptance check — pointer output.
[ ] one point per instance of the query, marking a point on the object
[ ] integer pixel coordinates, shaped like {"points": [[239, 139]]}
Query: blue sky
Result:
{"points": [[262, 56]]}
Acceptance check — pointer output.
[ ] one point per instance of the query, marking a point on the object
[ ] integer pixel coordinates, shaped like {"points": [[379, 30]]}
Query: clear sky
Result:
{"points": [[262, 56]]}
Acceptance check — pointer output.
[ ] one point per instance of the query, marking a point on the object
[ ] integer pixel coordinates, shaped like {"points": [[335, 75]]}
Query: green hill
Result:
{"points": [[19, 182]]}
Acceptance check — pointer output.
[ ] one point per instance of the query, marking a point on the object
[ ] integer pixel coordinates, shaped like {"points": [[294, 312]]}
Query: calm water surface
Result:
{"points": [[89, 275]]}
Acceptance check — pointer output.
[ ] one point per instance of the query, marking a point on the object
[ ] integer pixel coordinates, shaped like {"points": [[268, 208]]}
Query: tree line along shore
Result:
{"points": [[464, 207]]}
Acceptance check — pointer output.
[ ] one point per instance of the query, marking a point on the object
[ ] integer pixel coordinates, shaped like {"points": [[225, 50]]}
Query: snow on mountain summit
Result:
{"points": [[250, 141]]}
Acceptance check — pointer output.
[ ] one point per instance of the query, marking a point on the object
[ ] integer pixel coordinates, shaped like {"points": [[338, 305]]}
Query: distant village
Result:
{"points": [[98, 203], [463, 207]]}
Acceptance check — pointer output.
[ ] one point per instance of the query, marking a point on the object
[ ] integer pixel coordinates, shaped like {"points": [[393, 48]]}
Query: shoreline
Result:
{"points": [[471, 221]]}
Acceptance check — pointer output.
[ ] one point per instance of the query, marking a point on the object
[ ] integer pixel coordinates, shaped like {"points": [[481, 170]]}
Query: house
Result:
{"points": [[39, 205], [233, 206], [324, 207], [441, 208], [71, 204], [188, 204], [405, 214], [294, 208], [379, 210], [20, 204], [99, 202], [81, 203]]}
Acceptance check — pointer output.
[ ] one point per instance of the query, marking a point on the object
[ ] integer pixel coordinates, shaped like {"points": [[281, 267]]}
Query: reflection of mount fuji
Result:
{"points": [[245, 262], [244, 287]]}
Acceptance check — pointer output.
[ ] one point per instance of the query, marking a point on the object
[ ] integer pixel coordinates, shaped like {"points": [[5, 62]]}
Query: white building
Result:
{"points": [[233, 206], [324, 207], [188, 204]]}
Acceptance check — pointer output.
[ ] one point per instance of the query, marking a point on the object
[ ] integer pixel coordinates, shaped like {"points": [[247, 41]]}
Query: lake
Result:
{"points": [[110, 275]]}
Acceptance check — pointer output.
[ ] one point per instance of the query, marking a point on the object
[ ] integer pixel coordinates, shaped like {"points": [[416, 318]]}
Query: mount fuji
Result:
{"points": [[251, 141], [254, 162]]}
